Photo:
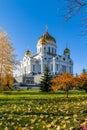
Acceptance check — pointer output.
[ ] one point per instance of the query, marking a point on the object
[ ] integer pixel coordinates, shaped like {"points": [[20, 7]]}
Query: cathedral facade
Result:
{"points": [[46, 55]]}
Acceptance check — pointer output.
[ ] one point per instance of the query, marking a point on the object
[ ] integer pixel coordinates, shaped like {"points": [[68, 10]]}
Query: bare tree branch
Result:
{"points": [[74, 7], [79, 2]]}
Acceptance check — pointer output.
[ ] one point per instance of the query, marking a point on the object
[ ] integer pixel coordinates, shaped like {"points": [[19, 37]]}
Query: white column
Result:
{"points": [[30, 66], [67, 67], [53, 65], [72, 69], [41, 65]]}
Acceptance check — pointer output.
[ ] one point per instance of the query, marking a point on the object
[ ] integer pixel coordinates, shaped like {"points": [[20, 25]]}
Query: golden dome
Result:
{"points": [[46, 37], [42, 41], [27, 52], [66, 50]]}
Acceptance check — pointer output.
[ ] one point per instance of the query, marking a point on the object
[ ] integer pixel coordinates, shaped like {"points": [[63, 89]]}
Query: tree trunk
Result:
{"points": [[86, 90], [0, 76], [0, 80]]}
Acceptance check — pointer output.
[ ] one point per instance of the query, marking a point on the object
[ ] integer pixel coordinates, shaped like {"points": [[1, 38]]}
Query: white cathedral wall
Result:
{"points": [[37, 56], [54, 69], [54, 66]]}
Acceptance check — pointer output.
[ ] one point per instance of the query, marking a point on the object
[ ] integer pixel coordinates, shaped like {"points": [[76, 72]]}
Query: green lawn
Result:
{"points": [[35, 110]]}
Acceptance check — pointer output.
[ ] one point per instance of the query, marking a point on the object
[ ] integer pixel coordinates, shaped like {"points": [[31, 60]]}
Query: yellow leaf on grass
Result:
{"points": [[48, 125], [75, 116], [41, 116], [84, 123], [20, 128], [58, 128]]}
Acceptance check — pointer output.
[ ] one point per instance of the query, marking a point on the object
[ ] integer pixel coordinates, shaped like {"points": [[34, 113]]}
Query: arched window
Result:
{"points": [[55, 51], [64, 58], [57, 59], [52, 50], [33, 67], [57, 67], [49, 49], [44, 49]]}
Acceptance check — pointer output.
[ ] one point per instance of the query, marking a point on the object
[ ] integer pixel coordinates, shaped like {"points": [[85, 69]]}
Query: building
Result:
{"points": [[46, 55]]}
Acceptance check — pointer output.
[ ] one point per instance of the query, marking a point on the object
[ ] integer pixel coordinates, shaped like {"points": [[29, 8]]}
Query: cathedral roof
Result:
{"points": [[46, 37]]}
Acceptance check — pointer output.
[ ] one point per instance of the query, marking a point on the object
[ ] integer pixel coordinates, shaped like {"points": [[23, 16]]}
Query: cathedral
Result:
{"points": [[33, 65]]}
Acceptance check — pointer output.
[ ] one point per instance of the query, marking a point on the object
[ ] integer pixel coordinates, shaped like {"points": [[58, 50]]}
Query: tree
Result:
{"points": [[73, 7], [80, 81], [7, 60], [83, 81], [84, 71], [45, 83], [76, 81], [64, 81]]}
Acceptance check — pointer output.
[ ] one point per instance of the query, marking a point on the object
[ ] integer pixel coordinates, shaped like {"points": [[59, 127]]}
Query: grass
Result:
{"points": [[35, 110]]}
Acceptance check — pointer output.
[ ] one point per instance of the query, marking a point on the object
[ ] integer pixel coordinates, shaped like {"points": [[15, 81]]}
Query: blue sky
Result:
{"points": [[25, 21]]}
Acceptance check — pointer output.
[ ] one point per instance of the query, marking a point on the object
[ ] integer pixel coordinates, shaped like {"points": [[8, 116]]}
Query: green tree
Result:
{"points": [[45, 83], [84, 71]]}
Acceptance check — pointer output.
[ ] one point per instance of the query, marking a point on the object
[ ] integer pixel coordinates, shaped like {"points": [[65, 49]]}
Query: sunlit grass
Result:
{"points": [[29, 109]]}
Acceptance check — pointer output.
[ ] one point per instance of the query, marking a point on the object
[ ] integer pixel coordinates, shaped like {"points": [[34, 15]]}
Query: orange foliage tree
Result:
{"points": [[7, 60], [76, 82], [83, 81], [64, 81], [80, 81]]}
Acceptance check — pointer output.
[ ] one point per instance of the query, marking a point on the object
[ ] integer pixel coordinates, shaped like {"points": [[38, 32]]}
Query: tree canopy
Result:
{"points": [[63, 81], [7, 60], [67, 81]]}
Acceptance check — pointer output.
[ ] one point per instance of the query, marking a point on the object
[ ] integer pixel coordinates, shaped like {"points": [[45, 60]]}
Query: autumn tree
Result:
{"points": [[76, 82], [7, 60], [73, 7], [64, 81], [45, 83], [83, 81], [80, 81]]}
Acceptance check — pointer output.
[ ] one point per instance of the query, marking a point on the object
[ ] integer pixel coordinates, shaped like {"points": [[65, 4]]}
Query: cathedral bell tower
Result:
{"points": [[67, 52]]}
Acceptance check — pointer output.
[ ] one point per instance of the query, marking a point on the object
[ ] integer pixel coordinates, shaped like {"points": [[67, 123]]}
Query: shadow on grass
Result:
{"points": [[38, 92]]}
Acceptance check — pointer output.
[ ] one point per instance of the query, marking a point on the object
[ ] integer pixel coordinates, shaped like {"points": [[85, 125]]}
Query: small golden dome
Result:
{"points": [[46, 37], [27, 52], [66, 50]]}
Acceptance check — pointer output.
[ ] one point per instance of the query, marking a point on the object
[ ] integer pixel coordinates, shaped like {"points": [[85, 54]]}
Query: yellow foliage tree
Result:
{"points": [[7, 60], [64, 81]]}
